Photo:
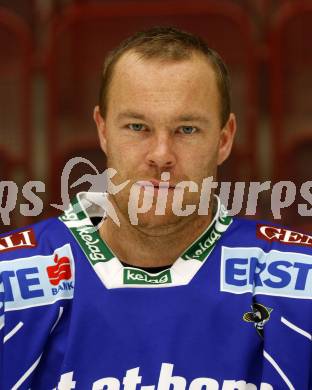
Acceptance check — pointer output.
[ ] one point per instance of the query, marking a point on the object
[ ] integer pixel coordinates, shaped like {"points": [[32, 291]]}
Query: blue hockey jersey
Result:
{"points": [[233, 312]]}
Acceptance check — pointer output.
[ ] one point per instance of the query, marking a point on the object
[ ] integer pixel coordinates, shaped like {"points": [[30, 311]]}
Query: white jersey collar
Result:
{"points": [[108, 267]]}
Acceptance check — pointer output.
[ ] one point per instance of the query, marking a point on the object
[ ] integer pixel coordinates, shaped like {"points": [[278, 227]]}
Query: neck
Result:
{"points": [[153, 247]]}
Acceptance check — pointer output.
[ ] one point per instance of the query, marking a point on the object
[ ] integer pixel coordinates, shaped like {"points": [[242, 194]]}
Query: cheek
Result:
{"points": [[201, 164], [116, 155], [125, 166]]}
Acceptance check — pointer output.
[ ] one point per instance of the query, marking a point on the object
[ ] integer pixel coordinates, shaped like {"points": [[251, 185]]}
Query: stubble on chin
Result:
{"points": [[159, 218]]}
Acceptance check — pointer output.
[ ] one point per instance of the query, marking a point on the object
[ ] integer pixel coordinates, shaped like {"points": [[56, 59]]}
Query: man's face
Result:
{"points": [[163, 117]]}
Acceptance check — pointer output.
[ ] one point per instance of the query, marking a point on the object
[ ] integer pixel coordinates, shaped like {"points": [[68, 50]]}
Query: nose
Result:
{"points": [[161, 152]]}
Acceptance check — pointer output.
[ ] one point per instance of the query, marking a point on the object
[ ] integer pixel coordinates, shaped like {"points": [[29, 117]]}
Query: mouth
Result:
{"points": [[162, 185], [156, 184]]}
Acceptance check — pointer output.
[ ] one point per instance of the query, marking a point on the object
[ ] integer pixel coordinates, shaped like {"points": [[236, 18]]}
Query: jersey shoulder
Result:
{"points": [[37, 281], [40, 238], [37, 267]]}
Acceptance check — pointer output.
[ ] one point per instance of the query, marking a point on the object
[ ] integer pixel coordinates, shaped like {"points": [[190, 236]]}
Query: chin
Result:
{"points": [[151, 221]]}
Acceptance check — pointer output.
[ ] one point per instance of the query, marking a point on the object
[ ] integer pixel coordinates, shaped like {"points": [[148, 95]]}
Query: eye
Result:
{"points": [[136, 126], [188, 129]]}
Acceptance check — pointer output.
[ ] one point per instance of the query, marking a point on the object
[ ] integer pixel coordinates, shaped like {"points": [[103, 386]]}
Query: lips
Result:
{"points": [[161, 184], [156, 184]]}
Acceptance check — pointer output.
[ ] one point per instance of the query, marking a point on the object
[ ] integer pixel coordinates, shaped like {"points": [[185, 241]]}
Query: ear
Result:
{"points": [[101, 127], [226, 139]]}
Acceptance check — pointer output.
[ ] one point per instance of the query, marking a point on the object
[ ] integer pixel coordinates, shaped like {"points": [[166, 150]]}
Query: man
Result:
{"points": [[167, 292]]}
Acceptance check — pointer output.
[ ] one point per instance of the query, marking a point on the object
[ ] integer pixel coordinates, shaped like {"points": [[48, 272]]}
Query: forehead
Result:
{"points": [[191, 80]]}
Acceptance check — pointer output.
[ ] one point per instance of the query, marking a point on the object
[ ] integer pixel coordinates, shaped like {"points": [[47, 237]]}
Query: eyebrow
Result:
{"points": [[130, 114], [182, 118], [192, 118]]}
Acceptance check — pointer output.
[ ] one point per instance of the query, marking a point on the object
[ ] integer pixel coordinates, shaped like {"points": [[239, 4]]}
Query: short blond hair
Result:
{"points": [[168, 44]]}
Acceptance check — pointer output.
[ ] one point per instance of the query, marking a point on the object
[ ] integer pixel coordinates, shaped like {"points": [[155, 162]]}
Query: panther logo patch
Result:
{"points": [[259, 315]]}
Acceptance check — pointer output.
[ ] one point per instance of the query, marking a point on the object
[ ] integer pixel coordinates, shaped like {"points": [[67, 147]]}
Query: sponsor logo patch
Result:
{"points": [[259, 315], [251, 270], [60, 271], [69, 214], [23, 239], [36, 281], [136, 276], [202, 247], [168, 378], [271, 233], [94, 248]]}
